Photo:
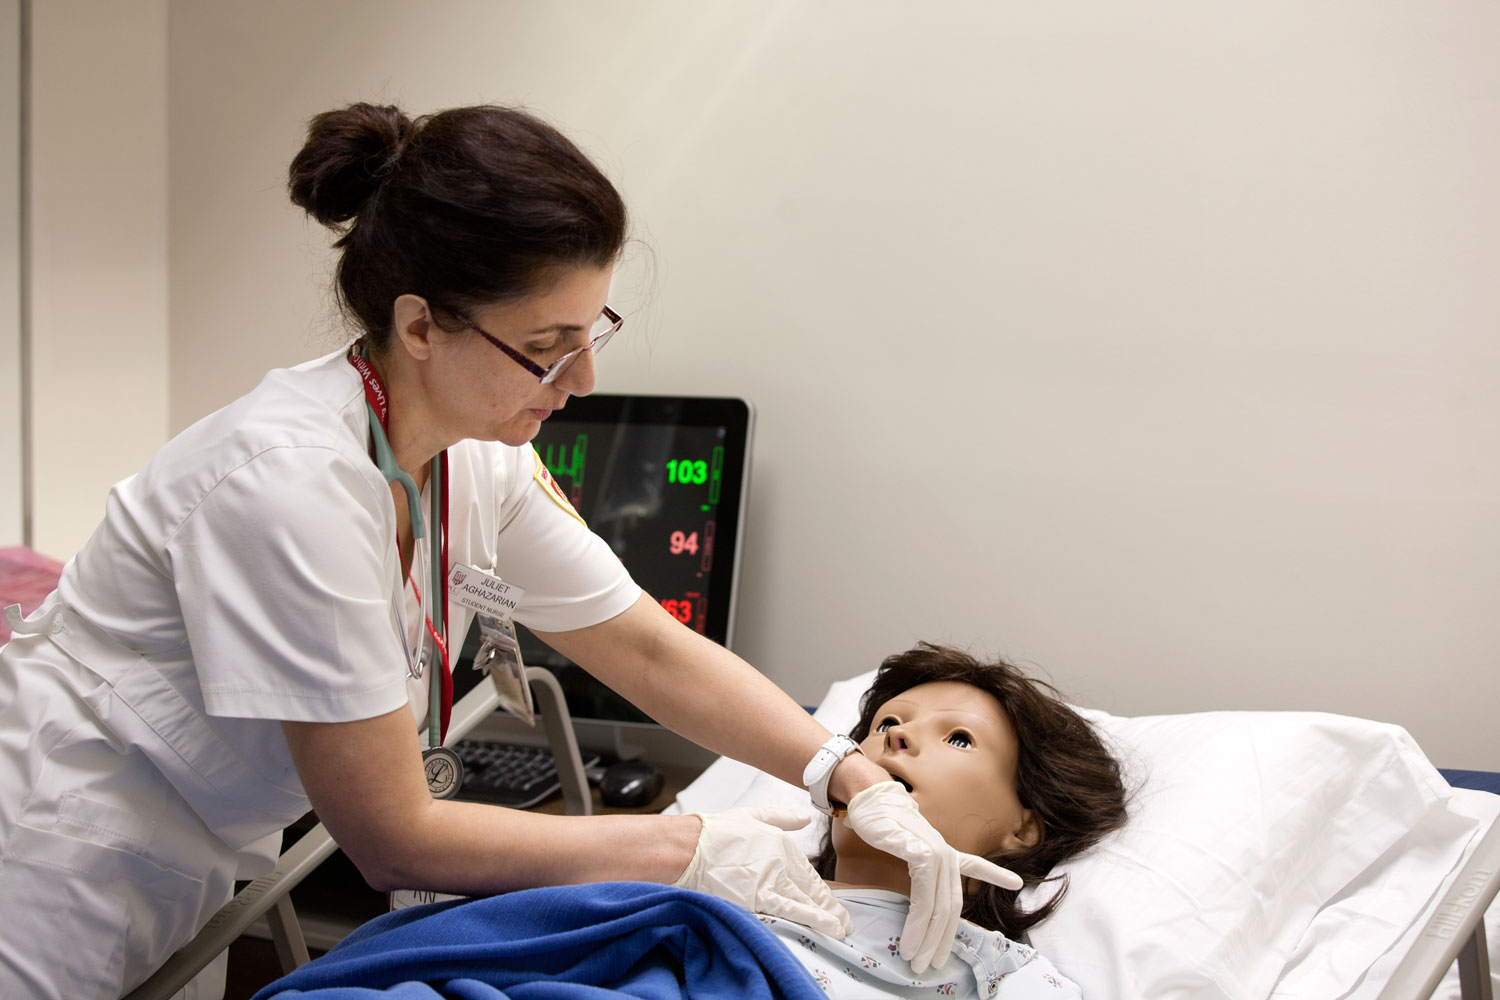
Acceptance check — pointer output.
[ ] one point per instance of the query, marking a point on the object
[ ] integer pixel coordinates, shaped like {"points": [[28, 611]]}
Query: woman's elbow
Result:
{"points": [[384, 879], [392, 869], [386, 861]]}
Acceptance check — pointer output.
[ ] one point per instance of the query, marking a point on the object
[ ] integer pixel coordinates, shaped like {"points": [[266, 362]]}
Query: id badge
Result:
{"points": [[400, 899], [493, 600]]}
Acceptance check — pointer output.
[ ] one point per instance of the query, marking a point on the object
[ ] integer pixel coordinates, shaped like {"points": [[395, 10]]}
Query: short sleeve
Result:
{"points": [[571, 577], [285, 586]]}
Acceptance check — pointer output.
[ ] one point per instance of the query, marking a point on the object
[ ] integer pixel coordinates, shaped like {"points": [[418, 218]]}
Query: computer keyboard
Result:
{"points": [[508, 774]]}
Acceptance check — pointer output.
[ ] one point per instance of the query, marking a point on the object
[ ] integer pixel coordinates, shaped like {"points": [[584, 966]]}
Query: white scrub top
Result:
{"points": [[245, 576]]}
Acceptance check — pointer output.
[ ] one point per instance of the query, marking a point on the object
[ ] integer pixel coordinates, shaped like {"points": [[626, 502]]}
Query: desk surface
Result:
{"points": [[676, 778]]}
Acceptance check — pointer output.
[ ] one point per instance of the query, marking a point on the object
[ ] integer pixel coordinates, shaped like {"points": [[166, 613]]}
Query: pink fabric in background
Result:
{"points": [[26, 578]]}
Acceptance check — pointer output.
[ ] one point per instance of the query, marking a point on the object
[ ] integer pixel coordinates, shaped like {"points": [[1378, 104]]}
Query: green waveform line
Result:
{"points": [[562, 465]]}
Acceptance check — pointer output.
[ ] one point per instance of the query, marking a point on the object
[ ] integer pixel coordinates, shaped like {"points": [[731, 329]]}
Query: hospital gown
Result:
{"points": [[983, 964]]}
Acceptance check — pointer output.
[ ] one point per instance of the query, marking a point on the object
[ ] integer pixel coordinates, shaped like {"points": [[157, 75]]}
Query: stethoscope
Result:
{"points": [[443, 768]]}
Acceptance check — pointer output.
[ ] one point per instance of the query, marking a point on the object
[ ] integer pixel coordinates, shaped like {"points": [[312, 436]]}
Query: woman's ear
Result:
{"points": [[411, 321]]}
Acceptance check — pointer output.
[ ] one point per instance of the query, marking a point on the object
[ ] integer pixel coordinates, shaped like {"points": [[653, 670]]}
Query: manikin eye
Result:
{"points": [[961, 740], [886, 723]]}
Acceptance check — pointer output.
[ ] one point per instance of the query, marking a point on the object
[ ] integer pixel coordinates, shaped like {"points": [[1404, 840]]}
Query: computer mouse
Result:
{"points": [[630, 784]]}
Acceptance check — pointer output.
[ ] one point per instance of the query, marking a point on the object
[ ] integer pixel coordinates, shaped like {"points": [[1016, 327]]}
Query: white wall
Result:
{"points": [[98, 256], [1152, 345], [11, 419]]}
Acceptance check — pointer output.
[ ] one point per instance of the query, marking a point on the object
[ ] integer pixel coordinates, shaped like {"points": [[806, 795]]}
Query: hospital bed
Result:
{"points": [[1268, 854]]}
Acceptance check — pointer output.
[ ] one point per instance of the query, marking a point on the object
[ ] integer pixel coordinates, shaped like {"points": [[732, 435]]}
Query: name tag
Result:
{"points": [[493, 601], [400, 899], [485, 594]]}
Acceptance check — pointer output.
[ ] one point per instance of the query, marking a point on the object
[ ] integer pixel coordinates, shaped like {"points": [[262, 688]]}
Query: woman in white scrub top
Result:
{"points": [[236, 643]]}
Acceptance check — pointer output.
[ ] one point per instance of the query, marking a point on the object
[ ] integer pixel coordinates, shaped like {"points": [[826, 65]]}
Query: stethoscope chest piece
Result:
{"points": [[445, 772]]}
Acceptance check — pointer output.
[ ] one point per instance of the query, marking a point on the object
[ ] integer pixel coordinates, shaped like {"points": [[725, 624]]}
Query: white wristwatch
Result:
{"points": [[820, 769]]}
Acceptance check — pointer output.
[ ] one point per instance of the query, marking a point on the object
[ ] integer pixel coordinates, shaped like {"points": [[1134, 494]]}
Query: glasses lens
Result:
{"points": [[559, 366], [602, 337], [599, 334], [605, 327]]}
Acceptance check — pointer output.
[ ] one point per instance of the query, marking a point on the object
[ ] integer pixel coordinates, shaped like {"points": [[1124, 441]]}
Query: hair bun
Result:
{"points": [[347, 154]]}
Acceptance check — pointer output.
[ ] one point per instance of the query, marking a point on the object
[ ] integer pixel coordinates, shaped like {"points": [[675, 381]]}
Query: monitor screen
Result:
{"points": [[662, 479]]}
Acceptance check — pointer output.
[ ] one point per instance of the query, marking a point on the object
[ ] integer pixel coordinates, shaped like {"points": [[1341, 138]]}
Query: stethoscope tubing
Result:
{"points": [[431, 611], [431, 598]]}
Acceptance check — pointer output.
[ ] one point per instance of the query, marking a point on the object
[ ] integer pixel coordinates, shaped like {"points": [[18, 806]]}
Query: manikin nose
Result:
{"points": [[896, 741]]}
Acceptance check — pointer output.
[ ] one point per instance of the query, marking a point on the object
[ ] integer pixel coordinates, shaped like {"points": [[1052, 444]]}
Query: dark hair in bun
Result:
{"points": [[348, 153], [465, 207]]}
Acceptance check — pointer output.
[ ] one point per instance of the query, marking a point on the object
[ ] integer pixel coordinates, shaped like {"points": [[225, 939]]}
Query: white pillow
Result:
{"points": [[1242, 827], [1354, 944]]}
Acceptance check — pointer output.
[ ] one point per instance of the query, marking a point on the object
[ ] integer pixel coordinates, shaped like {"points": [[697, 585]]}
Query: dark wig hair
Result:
{"points": [[465, 207], [1064, 774]]}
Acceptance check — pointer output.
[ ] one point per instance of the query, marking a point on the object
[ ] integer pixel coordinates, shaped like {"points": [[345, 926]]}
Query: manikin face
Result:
{"points": [[484, 393], [955, 748]]}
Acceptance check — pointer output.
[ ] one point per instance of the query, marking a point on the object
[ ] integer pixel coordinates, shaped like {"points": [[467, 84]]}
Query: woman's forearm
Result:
{"points": [[476, 849], [366, 783], [707, 694]]}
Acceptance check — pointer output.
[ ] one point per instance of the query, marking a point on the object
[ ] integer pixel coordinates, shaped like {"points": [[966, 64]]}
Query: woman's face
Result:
{"points": [[954, 747], [486, 394]]}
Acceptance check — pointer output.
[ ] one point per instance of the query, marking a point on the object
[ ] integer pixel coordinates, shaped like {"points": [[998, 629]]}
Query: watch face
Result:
{"points": [[445, 772]]}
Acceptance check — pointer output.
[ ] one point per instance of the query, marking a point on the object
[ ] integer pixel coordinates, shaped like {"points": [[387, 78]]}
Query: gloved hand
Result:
{"points": [[885, 816], [745, 856]]}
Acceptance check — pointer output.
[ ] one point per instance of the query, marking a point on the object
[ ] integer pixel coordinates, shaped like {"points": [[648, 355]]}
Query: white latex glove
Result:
{"points": [[745, 856], [886, 817]]}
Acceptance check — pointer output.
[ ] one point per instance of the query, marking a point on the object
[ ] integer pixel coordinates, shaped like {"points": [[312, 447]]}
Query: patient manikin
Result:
{"points": [[953, 742]]}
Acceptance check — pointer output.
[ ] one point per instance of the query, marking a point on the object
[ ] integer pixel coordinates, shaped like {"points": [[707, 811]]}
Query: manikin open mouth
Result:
{"points": [[901, 781]]}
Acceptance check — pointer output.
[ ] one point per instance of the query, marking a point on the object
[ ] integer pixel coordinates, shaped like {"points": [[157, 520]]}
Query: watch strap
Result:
{"points": [[820, 769]]}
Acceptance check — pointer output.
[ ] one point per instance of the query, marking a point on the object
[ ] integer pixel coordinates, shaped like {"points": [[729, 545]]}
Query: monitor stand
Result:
{"points": [[607, 738]]}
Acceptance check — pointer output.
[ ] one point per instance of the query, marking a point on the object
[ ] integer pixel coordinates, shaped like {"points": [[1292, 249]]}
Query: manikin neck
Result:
{"points": [[867, 868]]}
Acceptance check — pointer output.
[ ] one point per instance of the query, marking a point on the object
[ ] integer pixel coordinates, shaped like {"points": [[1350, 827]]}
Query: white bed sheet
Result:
{"points": [[1257, 811], [1368, 896]]}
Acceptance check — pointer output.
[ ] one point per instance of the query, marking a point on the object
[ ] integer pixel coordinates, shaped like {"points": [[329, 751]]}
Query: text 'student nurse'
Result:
{"points": [[252, 629]]}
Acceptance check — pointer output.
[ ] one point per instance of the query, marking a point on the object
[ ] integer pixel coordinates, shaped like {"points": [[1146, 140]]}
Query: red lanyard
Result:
{"points": [[375, 395]]}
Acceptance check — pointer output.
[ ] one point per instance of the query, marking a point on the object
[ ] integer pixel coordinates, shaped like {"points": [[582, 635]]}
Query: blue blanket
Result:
{"points": [[580, 942]]}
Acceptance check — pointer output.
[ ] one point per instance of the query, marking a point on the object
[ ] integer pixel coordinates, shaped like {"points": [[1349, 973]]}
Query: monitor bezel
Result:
{"points": [[737, 416]]}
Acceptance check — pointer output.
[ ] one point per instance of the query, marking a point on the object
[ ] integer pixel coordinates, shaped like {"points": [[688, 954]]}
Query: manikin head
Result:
{"points": [[995, 761], [953, 746]]}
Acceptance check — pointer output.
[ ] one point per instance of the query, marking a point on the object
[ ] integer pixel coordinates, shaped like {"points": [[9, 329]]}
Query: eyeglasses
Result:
{"points": [[606, 326]]}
